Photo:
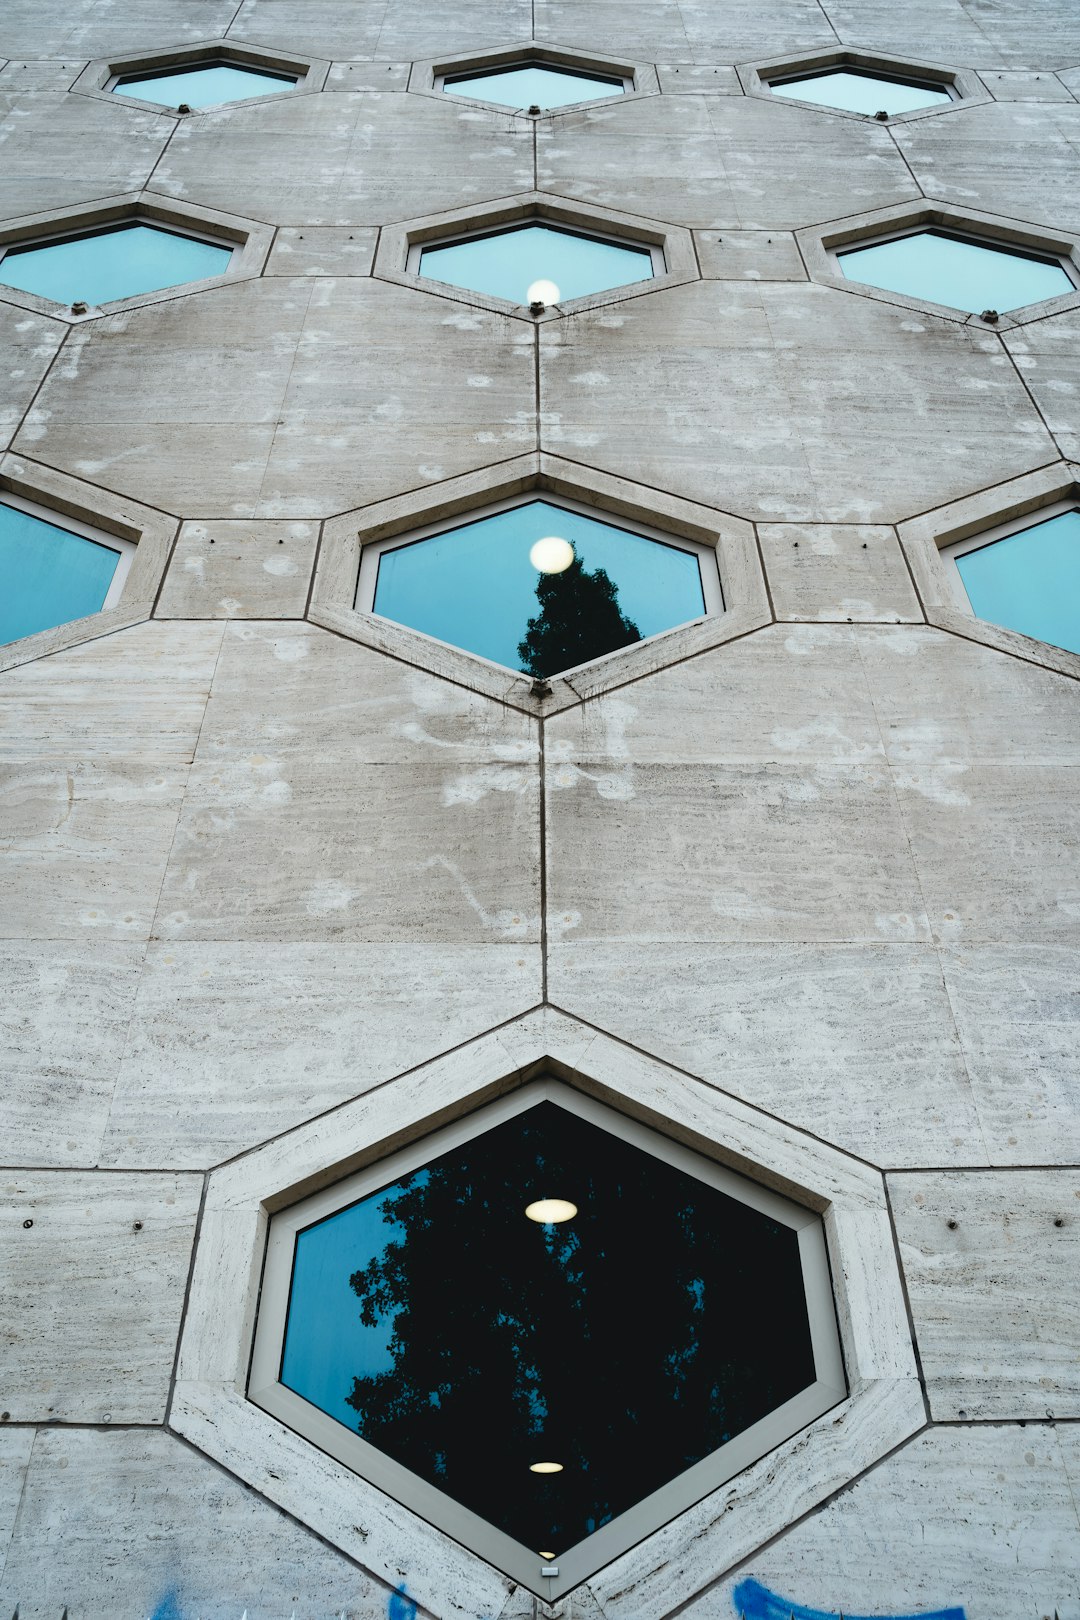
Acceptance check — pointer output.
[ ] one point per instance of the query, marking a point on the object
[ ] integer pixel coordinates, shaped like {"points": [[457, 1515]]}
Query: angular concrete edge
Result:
{"points": [[153, 533], [95, 76], [344, 538], [970, 90], [922, 539], [424, 74], [883, 1408], [819, 244], [250, 239], [675, 241]]}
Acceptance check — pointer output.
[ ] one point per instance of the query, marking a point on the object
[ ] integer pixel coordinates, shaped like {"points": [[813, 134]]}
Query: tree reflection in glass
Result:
{"points": [[579, 619], [625, 1343]]}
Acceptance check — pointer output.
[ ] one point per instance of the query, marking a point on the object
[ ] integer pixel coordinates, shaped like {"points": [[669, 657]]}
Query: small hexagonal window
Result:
{"points": [[1026, 576], [540, 85], [118, 261], [540, 586], [539, 1328], [961, 271], [203, 84], [856, 90], [54, 571], [536, 264]]}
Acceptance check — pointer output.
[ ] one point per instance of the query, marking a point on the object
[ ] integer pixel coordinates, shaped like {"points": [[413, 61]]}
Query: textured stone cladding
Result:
{"points": [[252, 869]]}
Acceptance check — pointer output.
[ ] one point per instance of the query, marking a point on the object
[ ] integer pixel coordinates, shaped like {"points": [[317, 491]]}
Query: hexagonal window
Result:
{"points": [[115, 261], [533, 84], [963, 272], [536, 264], [534, 1328], [539, 586], [1025, 575], [203, 84], [876, 95], [54, 572]]}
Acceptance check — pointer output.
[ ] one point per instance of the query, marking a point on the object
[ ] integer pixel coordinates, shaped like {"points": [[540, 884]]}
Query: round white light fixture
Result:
{"points": [[545, 1468], [551, 555], [543, 292], [548, 1211]]}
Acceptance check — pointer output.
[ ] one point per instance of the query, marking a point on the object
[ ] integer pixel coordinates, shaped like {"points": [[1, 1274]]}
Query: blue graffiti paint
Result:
{"points": [[169, 1607], [756, 1602], [400, 1606]]}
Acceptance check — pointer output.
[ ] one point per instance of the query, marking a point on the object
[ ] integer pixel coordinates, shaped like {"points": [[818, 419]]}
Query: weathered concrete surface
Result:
{"points": [[849, 572], [117, 146], [91, 28], [1047, 356], [240, 571], [28, 345]]}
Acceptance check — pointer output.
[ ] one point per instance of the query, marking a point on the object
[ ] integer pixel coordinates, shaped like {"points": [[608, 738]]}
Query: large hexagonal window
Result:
{"points": [[1025, 575], [208, 83], [537, 264], [539, 586], [54, 570], [117, 261], [963, 272], [542, 1329]]}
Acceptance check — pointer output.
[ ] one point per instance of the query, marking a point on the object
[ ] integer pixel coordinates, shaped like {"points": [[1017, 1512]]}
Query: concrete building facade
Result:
{"points": [[285, 887]]}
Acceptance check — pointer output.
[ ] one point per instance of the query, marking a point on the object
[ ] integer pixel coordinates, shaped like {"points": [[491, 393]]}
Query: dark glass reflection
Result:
{"points": [[469, 1342], [494, 588]]}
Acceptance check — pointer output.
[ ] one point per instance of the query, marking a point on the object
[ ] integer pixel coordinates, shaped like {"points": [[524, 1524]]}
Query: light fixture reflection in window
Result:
{"points": [[542, 292], [551, 554], [545, 1468], [547, 1211]]}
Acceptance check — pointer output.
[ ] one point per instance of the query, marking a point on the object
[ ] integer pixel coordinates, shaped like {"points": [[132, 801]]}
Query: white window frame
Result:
{"points": [[114, 84], [418, 249], [957, 234], [912, 81], [371, 554], [625, 79], [520, 1563], [125, 549], [987, 537]]}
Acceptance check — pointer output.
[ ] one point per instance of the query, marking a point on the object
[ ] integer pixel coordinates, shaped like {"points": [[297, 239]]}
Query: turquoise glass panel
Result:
{"points": [[476, 587], [530, 85], [47, 575], [868, 93], [505, 264], [112, 264], [956, 271], [205, 86], [1030, 581]]}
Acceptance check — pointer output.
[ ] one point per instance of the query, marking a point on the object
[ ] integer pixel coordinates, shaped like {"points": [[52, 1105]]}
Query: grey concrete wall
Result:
{"points": [[250, 869]]}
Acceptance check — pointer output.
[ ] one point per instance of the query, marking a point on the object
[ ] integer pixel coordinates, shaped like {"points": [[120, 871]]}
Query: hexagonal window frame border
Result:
{"points": [[344, 537], [424, 76], [924, 539], [884, 1406], [250, 240], [674, 241], [153, 534], [819, 244], [95, 78], [756, 78]]}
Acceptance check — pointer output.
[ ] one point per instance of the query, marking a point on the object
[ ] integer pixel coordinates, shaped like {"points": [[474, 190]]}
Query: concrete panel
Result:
{"points": [[232, 1044], [978, 1521], [683, 30], [1016, 159], [1019, 85], [137, 1524], [89, 28], [25, 78], [321, 251], [991, 1260], [239, 571], [1011, 33], [409, 29], [63, 1023], [831, 571], [1018, 1015], [28, 346], [96, 1284], [1047, 355], [382, 76], [749, 255], [761, 405], [853, 1043], [117, 148], [722, 161], [684, 79], [356, 160], [15, 1448]]}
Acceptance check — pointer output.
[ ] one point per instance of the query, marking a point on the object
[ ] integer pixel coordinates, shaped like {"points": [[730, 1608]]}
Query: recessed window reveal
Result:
{"points": [[957, 270], [119, 261], [852, 90], [540, 587], [51, 574], [206, 84], [534, 84], [515, 263], [1027, 578]]}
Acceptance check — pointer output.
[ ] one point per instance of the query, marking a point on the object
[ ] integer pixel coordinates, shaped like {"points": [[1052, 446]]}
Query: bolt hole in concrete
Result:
{"points": [[1029, 581], [119, 262], [51, 575], [540, 588], [507, 264], [868, 93], [525, 84], [957, 271], [206, 85]]}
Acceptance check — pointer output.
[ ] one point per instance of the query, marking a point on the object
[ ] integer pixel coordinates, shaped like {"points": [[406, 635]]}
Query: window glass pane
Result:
{"points": [[112, 264], [1030, 581], [48, 576], [506, 264], [206, 85], [532, 85], [862, 92], [617, 1336], [949, 270], [482, 587]]}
